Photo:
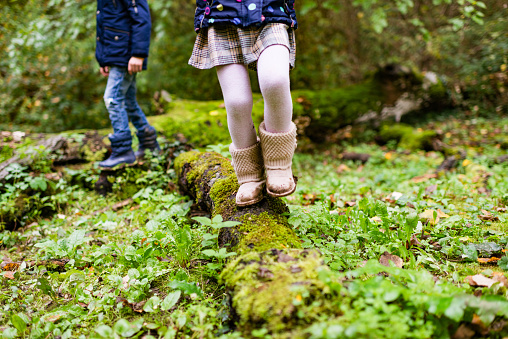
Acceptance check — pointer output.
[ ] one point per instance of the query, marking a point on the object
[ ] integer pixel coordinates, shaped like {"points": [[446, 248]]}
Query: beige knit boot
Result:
{"points": [[278, 150], [248, 165]]}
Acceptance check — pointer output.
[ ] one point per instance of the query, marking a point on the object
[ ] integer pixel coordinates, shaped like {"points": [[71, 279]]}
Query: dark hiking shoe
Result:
{"points": [[147, 141], [121, 146]]}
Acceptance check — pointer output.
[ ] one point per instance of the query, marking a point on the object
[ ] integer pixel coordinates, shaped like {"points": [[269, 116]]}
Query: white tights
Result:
{"points": [[273, 75]]}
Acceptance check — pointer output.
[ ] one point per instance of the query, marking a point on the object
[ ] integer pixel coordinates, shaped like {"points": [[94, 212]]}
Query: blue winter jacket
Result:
{"points": [[123, 31], [244, 13]]}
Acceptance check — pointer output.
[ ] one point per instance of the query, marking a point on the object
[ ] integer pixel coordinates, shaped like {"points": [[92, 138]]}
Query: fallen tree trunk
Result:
{"points": [[210, 179], [392, 92], [272, 281], [60, 149]]}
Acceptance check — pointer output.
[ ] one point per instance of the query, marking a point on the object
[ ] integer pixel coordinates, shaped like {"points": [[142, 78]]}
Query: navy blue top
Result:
{"points": [[123, 31], [244, 13]]}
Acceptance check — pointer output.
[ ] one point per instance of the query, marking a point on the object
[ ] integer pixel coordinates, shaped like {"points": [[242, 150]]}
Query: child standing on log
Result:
{"points": [[123, 40], [237, 35]]}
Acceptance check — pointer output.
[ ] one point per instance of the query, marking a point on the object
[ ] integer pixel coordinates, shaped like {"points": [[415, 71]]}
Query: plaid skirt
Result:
{"points": [[228, 44]]}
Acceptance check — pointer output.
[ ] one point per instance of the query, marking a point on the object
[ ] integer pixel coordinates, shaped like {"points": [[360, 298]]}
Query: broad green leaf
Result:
{"points": [[152, 304], [104, 331], [229, 224], [133, 273], [210, 253], [170, 333], [18, 323], [203, 221], [75, 239], [45, 287], [10, 333], [181, 321], [503, 263], [115, 279], [127, 329], [217, 219], [456, 309], [187, 288], [171, 300]]}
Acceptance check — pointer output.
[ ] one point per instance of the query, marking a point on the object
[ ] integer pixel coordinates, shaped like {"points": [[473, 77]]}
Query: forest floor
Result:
{"points": [[136, 264]]}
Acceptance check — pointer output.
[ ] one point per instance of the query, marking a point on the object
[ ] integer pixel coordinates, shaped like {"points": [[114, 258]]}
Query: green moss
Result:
{"points": [[221, 193], [200, 122], [406, 136], [438, 91], [277, 205], [278, 290], [330, 109], [5, 153], [187, 157], [93, 155], [205, 167], [265, 231]]}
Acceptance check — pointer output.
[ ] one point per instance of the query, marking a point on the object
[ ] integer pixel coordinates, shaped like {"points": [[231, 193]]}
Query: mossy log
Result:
{"points": [[392, 92], [61, 149], [210, 179], [273, 282]]}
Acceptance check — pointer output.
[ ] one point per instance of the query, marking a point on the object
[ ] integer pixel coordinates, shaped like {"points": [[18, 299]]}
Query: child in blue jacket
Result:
{"points": [[233, 36], [123, 41]]}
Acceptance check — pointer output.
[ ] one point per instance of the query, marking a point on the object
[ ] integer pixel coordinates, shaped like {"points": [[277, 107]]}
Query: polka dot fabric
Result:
{"points": [[228, 44]]}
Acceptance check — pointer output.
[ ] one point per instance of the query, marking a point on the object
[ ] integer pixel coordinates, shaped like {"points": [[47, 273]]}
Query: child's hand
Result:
{"points": [[135, 65], [105, 71]]}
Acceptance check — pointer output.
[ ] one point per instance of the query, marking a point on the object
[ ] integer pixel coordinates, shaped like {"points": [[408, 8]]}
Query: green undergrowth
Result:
{"points": [[149, 268]]}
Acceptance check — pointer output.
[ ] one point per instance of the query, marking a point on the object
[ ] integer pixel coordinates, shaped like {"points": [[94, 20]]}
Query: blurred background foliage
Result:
{"points": [[49, 79]]}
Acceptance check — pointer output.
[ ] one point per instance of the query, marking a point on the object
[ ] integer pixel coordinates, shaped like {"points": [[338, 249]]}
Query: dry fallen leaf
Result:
{"points": [[477, 321], [480, 281], [125, 281], [265, 273], [394, 196], [500, 278], [431, 189], [9, 275], [387, 257], [53, 318], [310, 199], [463, 332], [343, 168], [428, 215], [424, 177], [487, 260], [486, 215], [442, 214], [10, 266], [283, 257]]}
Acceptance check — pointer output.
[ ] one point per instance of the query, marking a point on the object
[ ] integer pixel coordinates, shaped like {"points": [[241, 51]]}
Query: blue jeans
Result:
{"points": [[120, 99]]}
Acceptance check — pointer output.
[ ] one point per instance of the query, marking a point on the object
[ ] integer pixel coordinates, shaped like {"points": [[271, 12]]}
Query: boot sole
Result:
{"points": [[280, 195], [119, 166], [252, 202]]}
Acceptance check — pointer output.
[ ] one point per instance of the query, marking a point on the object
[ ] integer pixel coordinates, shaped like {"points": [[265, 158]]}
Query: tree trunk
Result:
{"points": [[210, 179], [61, 150], [391, 93], [272, 281]]}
